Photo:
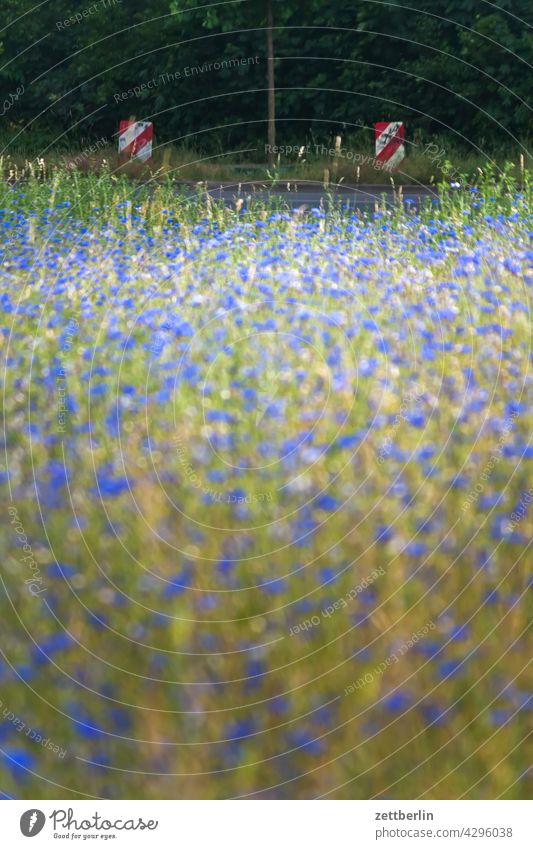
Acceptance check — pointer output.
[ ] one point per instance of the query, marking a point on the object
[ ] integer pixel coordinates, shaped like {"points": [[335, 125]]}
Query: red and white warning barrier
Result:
{"points": [[390, 146], [135, 139]]}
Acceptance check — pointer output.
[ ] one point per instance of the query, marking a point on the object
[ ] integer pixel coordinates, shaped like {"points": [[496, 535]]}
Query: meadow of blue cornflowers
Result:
{"points": [[267, 480]]}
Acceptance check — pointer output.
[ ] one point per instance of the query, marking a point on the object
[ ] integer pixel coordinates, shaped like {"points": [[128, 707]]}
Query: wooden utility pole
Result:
{"points": [[271, 83]]}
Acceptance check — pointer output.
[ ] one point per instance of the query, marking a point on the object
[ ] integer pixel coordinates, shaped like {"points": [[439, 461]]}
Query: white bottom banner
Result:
{"points": [[265, 824]]}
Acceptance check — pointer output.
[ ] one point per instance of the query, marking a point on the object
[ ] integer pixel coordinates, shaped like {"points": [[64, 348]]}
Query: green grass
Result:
{"points": [[423, 165]]}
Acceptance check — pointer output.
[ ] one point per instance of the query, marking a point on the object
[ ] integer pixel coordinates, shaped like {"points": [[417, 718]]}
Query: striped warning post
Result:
{"points": [[390, 147], [135, 139]]}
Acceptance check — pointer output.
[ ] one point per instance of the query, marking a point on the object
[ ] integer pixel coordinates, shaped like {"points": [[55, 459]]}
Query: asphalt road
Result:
{"points": [[312, 195]]}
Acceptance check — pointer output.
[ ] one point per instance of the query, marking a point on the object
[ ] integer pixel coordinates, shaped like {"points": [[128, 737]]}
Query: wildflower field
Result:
{"points": [[267, 480]]}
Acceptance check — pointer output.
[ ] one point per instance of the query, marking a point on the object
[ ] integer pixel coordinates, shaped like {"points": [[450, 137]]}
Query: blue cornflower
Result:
{"points": [[327, 575], [109, 485], [84, 723], [255, 671], [346, 442], [279, 704], [433, 713], [416, 549], [398, 701], [178, 583], [417, 419], [383, 533], [327, 502], [276, 586], [219, 416], [60, 570], [303, 739], [240, 729], [18, 761], [51, 645], [500, 716], [460, 632], [450, 668]]}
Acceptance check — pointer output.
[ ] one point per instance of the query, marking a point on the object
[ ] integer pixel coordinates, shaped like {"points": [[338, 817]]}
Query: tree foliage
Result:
{"points": [[460, 67]]}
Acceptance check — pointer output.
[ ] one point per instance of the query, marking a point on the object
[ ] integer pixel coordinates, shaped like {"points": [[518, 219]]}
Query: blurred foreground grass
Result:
{"points": [[267, 485]]}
